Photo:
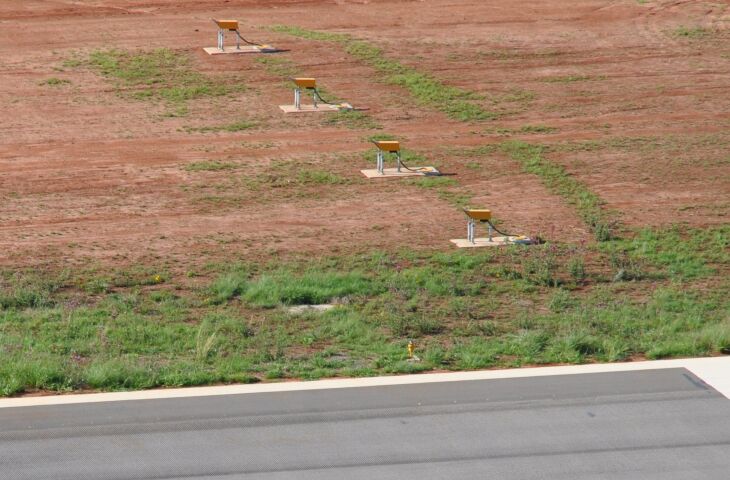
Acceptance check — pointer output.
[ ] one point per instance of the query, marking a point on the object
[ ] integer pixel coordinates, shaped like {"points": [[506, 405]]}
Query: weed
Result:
{"points": [[204, 342], [577, 269]]}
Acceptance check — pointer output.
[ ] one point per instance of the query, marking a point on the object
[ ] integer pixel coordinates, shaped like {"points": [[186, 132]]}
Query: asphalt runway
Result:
{"points": [[652, 424]]}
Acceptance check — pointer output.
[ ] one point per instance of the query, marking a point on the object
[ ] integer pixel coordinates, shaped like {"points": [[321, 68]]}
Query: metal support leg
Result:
{"points": [[380, 162], [470, 228], [314, 98], [489, 232], [238, 41], [220, 39], [397, 159], [297, 99]]}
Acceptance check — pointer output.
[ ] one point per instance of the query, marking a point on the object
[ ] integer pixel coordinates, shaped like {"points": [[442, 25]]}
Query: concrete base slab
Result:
{"points": [[234, 50], [393, 172], [483, 242], [310, 108], [310, 308]]}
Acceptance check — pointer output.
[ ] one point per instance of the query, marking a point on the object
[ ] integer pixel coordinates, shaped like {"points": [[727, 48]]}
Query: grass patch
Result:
{"points": [[680, 254], [54, 82], [457, 103], [210, 166], [567, 79], [278, 66], [464, 310], [238, 126], [557, 180], [352, 119], [537, 129], [161, 74], [319, 177], [446, 188], [691, 32]]}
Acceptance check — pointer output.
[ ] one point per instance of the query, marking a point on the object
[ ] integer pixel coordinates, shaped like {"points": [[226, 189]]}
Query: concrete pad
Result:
{"points": [[310, 108], [393, 172], [483, 242], [234, 50], [310, 308]]}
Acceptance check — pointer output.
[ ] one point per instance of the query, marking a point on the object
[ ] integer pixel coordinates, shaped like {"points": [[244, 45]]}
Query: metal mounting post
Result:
{"points": [[381, 162], [397, 157], [298, 98], [470, 229], [314, 98], [221, 34]]}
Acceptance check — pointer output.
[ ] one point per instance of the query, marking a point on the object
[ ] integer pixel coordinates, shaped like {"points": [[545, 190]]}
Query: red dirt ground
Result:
{"points": [[87, 174]]}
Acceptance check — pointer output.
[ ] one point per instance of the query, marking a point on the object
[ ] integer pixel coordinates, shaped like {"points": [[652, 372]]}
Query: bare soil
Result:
{"points": [[88, 174]]}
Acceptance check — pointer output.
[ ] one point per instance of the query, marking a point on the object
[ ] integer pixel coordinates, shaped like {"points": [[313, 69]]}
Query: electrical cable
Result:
{"points": [[414, 170], [316, 92], [417, 170], [246, 41], [239, 36], [501, 233]]}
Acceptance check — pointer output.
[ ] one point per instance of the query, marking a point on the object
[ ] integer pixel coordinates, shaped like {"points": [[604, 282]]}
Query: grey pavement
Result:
{"points": [[655, 424]]}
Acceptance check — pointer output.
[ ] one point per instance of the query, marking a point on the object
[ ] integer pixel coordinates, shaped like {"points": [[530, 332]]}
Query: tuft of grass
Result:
{"points": [[457, 103], [238, 126], [691, 32], [537, 129], [209, 166], [567, 79], [557, 180], [55, 82], [319, 177]]}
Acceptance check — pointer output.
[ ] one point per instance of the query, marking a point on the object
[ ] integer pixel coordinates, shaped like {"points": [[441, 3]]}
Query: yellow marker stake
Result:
{"points": [[411, 348]]}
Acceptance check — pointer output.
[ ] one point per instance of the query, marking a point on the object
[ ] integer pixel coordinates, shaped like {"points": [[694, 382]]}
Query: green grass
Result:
{"points": [[537, 129], [587, 204], [464, 310], [237, 126], [427, 90], [567, 79], [319, 177], [210, 166], [278, 66], [678, 253], [352, 119], [161, 74], [55, 82], [691, 32]]}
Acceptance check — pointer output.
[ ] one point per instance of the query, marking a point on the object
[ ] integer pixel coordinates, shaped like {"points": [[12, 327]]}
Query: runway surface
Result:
{"points": [[665, 423]]}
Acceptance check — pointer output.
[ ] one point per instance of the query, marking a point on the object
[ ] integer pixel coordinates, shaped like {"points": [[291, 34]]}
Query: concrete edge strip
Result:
{"points": [[714, 371]]}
